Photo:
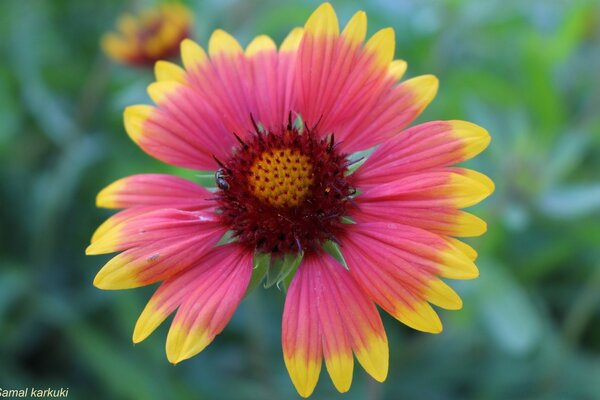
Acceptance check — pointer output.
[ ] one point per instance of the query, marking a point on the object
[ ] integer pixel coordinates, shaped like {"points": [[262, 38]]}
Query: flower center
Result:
{"points": [[281, 177], [284, 192]]}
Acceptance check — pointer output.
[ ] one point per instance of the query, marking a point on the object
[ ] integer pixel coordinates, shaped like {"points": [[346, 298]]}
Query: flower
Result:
{"points": [[153, 35], [281, 128]]}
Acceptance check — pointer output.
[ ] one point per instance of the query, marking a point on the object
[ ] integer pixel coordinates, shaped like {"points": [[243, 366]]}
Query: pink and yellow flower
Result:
{"points": [[154, 34], [280, 127]]}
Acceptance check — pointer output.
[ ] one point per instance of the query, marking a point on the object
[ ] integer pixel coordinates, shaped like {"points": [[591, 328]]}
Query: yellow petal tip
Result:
{"points": [[192, 54], [167, 71], [356, 29], [474, 137], [323, 22], [259, 44], [424, 89], [134, 118], [222, 43], [160, 91], [397, 69], [292, 40], [382, 45]]}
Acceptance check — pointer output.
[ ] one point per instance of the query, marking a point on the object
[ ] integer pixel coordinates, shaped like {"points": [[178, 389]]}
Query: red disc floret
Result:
{"points": [[305, 195]]}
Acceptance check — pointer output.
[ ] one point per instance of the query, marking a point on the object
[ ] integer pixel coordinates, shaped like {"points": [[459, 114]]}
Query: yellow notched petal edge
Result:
{"points": [[480, 178], [442, 295], [106, 198], [303, 373], [423, 88], [340, 367], [397, 69], [382, 45], [222, 43], [464, 248], [470, 187], [292, 40], [468, 225], [454, 264], [167, 71], [134, 118], [475, 139], [356, 29], [323, 22], [374, 357], [117, 274], [259, 44], [184, 343], [419, 315], [105, 242], [148, 321], [192, 54], [160, 91]]}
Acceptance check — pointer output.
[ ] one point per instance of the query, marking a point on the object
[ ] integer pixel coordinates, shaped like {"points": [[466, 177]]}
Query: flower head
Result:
{"points": [[281, 128], [154, 34]]}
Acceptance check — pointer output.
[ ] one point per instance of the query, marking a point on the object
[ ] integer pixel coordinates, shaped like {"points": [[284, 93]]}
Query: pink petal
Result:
{"points": [[375, 206], [325, 311], [341, 86], [155, 191], [164, 226], [398, 267], [177, 289], [301, 336], [216, 290], [444, 188], [431, 145]]}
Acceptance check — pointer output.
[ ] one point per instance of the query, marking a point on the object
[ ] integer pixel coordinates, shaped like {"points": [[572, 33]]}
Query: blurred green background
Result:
{"points": [[528, 71]]}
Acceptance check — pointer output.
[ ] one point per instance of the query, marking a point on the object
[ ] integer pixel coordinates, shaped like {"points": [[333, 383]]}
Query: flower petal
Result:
{"points": [[396, 69], [192, 55], [292, 41], [430, 145], [325, 309], [398, 267], [216, 290], [155, 262], [167, 71], [323, 22], [434, 189], [259, 44], [356, 29], [382, 44], [375, 206], [155, 190], [359, 318], [301, 336], [349, 88], [222, 43], [151, 227], [388, 112]]}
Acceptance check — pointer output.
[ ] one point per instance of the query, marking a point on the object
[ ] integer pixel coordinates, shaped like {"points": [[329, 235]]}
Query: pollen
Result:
{"points": [[281, 177]]}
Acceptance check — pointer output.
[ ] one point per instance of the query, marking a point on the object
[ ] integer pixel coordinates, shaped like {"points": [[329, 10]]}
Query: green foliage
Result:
{"points": [[525, 70]]}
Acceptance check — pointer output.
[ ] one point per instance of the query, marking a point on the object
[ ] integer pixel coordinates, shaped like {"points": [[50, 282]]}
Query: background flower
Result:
{"points": [[527, 71], [150, 35]]}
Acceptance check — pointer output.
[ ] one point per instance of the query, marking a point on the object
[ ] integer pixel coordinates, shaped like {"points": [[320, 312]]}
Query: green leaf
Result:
{"points": [[334, 250]]}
